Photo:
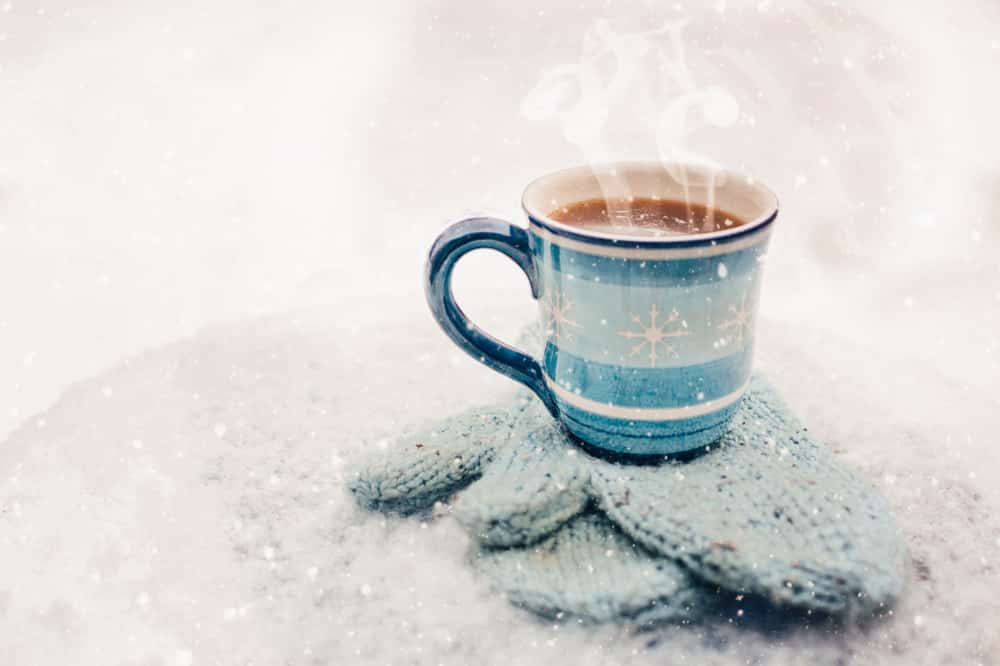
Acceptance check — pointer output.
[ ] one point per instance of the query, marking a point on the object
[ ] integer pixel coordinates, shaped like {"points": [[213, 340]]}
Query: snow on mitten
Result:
{"points": [[432, 464]]}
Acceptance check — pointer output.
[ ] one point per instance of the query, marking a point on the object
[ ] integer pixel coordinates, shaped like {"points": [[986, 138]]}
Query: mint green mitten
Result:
{"points": [[765, 511]]}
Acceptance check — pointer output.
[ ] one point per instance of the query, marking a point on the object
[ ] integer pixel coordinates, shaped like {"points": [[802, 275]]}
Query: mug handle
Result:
{"points": [[450, 246]]}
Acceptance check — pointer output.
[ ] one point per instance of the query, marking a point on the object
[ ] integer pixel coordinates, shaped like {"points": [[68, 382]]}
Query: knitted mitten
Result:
{"points": [[586, 568], [766, 510], [590, 570]]}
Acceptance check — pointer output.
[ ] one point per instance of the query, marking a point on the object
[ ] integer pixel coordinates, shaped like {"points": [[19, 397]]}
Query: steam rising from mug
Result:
{"points": [[643, 77]]}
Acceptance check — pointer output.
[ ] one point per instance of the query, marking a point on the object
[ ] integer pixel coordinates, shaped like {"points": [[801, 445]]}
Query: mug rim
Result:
{"points": [[603, 238]]}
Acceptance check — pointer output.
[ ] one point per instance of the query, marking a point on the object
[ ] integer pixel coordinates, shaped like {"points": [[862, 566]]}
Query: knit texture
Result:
{"points": [[433, 463], [766, 511], [590, 571]]}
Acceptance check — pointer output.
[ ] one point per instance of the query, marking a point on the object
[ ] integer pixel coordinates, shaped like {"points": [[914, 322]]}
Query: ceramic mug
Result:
{"points": [[649, 339]]}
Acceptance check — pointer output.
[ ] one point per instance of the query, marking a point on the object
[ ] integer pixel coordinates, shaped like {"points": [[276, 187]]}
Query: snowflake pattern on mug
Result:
{"points": [[739, 322], [655, 334], [559, 325]]}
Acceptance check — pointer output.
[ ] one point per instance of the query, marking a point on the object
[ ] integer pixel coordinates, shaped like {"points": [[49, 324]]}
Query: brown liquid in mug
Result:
{"points": [[645, 217]]}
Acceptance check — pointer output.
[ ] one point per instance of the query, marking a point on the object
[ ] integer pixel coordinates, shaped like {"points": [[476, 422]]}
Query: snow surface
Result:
{"points": [[189, 506], [168, 166]]}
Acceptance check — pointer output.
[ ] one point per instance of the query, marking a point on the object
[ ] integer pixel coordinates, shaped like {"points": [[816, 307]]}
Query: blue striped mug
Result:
{"points": [[649, 338]]}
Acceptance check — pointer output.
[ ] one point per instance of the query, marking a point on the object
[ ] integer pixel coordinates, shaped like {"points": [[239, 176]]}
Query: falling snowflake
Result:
{"points": [[557, 308], [740, 321], [654, 334]]}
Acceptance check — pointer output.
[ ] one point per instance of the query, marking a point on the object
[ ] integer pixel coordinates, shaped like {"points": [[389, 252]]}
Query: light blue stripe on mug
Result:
{"points": [[647, 387], [616, 270]]}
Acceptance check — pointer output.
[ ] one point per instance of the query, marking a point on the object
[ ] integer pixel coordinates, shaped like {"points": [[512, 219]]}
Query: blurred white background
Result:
{"points": [[167, 165]]}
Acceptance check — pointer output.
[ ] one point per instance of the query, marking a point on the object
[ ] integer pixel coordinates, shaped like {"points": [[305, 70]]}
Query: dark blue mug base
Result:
{"points": [[646, 438]]}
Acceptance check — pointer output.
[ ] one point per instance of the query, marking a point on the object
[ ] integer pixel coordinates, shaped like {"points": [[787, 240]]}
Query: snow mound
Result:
{"points": [[188, 507]]}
